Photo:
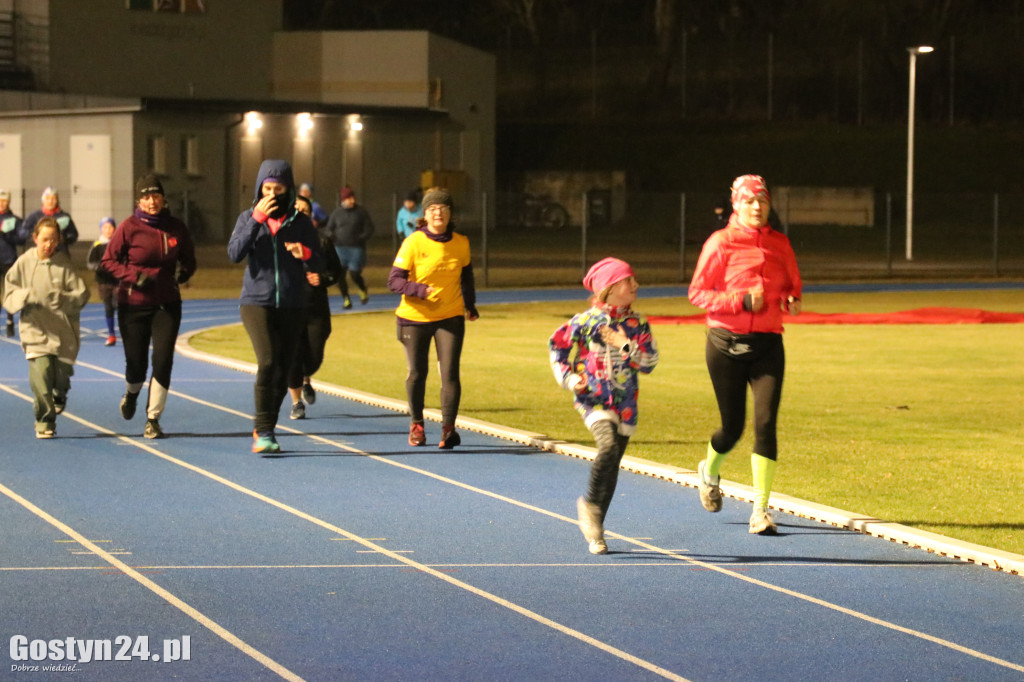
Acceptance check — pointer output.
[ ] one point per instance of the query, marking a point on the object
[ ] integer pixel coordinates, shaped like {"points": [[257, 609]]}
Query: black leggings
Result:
{"points": [[448, 336], [734, 361], [604, 472], [309, 354], [274, 333], [141, 325]]}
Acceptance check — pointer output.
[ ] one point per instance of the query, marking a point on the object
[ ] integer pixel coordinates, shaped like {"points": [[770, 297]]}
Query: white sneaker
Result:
{"points": [[710, 494], [589, 515], [761, 522]]}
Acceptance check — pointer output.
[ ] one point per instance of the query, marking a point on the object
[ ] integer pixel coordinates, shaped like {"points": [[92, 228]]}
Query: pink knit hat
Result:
{"points": [[747, 186], [605, 273]]}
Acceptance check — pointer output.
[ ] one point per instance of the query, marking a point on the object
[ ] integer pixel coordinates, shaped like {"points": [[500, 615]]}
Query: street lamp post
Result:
{"points": [[914, 51]]}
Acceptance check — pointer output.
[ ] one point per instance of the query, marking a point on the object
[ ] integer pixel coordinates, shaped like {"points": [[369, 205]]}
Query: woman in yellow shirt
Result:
{"points": [[433, 273]]}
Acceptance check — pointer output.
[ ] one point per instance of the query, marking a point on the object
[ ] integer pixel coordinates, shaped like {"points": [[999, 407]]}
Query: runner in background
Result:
{"points": [[310, 352], [10, 240]]}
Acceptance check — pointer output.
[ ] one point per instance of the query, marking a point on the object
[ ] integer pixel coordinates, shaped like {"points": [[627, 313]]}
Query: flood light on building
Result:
{"points": [[253, 122], [304, 122]]}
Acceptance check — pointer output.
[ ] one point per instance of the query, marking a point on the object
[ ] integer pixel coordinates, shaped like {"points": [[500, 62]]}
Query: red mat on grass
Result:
{"points": [[917, 316]]}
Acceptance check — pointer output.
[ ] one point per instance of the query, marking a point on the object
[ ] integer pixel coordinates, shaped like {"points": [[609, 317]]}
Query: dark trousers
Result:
{"points": [[274, 333], [142, 325], [309, 354], [734, 362], [448, 336], [604, 472]]}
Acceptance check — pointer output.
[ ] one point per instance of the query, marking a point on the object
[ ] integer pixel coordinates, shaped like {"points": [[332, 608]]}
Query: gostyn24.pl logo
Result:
{"points": [[41, 654]]}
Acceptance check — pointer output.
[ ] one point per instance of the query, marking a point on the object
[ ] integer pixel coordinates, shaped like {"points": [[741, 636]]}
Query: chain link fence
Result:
{"points": [[661, 234]]}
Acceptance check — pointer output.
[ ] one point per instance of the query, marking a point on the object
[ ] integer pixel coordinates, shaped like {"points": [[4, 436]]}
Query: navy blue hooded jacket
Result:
{"points": [[274, 278]]}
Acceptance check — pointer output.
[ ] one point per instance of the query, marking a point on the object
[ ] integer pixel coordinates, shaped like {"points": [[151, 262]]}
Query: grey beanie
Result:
{"points": [[436, 195]]}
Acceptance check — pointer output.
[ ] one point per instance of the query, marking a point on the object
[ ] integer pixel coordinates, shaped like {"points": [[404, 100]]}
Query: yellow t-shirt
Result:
{"points": [[436, 264]]}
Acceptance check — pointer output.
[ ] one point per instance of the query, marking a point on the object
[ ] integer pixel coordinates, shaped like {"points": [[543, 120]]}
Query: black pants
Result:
{"points": [[734, 362], [604, 472], [142, 325], [448, 336], [309, 354], [274, 333]]}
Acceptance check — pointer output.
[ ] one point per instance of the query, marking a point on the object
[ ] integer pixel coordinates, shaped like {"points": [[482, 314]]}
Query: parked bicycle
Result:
{"points": [[542, 211]]}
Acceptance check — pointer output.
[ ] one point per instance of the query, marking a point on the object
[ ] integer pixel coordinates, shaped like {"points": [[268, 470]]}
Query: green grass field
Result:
{"points": [[914, 424]]}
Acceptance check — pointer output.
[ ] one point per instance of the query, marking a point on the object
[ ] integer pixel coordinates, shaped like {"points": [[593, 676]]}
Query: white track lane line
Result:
{"points": [[636, 541], [396, 556]]}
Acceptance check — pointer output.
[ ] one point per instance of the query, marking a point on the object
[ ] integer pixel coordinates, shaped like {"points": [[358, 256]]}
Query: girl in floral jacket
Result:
{"points": [[598, 355]]}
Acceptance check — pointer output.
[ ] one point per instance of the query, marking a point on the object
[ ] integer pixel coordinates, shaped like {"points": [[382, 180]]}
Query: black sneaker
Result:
{"points": [[59, 403], [308, 394], [153, 429], [128, 402]]}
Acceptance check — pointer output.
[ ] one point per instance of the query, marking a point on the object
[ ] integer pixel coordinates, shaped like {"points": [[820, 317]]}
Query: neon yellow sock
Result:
{"points": [[763, 470], [714, 460]]}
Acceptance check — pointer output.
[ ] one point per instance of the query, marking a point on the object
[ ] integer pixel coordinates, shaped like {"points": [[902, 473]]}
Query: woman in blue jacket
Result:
{"points": [[281, 246]]}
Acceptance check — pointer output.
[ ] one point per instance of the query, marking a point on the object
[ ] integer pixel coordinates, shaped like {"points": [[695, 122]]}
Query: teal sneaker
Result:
{"points": [[264, 444]]}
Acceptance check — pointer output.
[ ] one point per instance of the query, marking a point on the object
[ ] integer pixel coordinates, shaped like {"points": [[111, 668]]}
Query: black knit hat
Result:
{"points": [[148, 184], [437, 195]]}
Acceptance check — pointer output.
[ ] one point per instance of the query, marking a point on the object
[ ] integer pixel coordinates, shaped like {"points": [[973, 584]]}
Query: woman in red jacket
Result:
{"points": [[746, 278], [150, 254]]}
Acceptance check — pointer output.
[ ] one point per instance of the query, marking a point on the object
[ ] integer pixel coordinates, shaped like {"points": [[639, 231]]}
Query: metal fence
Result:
{"points": [[661, 234]]}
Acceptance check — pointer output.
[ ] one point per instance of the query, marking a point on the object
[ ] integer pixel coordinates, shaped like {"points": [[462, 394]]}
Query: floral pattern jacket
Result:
{"points": [[577, 353]]}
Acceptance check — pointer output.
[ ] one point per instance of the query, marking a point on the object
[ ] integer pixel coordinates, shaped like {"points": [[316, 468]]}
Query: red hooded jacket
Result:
{"points": [[735, 260]]}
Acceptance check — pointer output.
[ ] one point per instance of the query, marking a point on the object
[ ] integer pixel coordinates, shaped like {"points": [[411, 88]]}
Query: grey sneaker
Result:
{"points": [[308, 394], [589, 515], [153, 429], [298, 411], [761, 522], [710, 494]]}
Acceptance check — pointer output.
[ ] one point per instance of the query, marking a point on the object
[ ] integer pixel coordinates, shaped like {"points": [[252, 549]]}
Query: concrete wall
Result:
{"points": [[46, 160], [853, 206], [99, 46]]}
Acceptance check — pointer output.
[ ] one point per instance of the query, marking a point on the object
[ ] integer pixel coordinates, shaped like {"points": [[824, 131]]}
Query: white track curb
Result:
{"points": [[919, 539]]}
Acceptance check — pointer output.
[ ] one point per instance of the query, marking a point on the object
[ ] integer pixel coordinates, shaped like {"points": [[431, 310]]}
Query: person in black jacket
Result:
{"points": [[10, 240], [349, 227]]}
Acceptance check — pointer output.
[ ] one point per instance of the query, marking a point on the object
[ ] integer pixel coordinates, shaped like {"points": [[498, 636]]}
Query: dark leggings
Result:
{"points": [[274, 333], [734, 361], [309, 354], [447, 335], [604, 472], [141, 325]]}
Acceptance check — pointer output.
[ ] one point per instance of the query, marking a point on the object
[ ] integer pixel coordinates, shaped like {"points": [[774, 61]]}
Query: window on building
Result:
{"points": [[156, 154], [190, 155], [182, 6]]}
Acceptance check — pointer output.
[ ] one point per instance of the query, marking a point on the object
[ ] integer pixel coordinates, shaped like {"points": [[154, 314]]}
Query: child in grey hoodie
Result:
{"points": [[42, 285]]}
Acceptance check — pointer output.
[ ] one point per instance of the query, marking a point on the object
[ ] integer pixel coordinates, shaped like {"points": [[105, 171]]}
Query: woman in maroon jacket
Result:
{"points": [[746, 278], [151, 254]]}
